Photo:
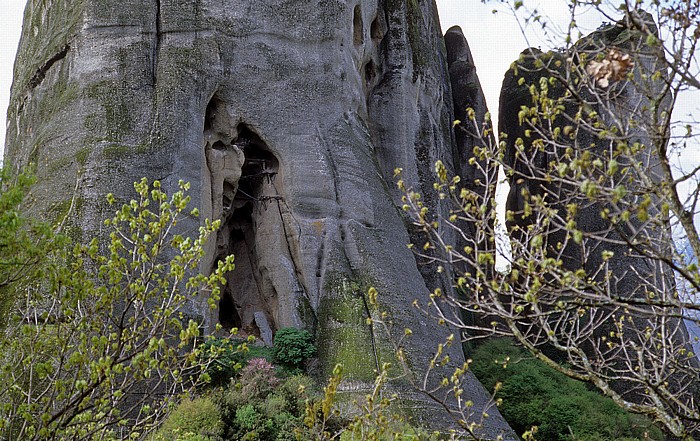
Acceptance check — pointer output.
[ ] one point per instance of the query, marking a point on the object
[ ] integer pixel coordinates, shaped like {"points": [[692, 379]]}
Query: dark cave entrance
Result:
{"points": [[245, 295], [242, 173]]}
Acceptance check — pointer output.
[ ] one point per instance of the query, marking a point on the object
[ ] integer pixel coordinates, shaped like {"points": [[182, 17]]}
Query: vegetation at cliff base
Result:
{"points": [[292, 346], [97, 345], [103, 340], [563, 409], [599, 157]]}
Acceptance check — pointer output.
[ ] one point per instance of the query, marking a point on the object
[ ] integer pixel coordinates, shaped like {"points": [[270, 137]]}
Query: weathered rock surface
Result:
{"points": [[479, 176], [625, 104], [288, 119]]}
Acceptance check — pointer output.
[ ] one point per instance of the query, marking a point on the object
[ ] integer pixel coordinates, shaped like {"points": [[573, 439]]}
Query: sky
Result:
{"points": [[10, 29]]}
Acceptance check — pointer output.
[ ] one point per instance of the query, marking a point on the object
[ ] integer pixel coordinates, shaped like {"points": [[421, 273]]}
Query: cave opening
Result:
{"points": [[246, 303], [242, 173], [357, 26]]}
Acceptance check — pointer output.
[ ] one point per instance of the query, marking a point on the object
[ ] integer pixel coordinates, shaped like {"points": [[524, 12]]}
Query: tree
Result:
{"points": [[24, 243], [97, 344], [595, 287]]}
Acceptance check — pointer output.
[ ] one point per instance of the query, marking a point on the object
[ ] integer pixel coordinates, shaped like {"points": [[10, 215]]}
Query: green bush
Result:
{"points": [[265, 352], [289, 410], [222, 358], [292, 346], [291, 390], [192, 420], [268, 411], [247, 418], [535, 394]]}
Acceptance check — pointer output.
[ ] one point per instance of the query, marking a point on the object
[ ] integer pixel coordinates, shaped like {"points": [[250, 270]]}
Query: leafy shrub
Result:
{"points": [[535, 394], [294, 391], [192, 420], [265, 352], [247, 417], [289, 410], [268, 411], [72, 367], [292, 346], [222, 358]]}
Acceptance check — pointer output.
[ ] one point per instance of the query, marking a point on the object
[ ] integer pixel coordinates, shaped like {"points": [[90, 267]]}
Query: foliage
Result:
{"points": [[254, 405], [96, 347], [258, 378], [258, 406], [192, 420], [25, 244], [532, 393], [223, 358], [261, 407], [370, 418], [292, 346]]}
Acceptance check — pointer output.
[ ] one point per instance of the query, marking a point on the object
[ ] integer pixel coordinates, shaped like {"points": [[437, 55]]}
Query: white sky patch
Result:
{"points": [[494, 39], [10, 29]]}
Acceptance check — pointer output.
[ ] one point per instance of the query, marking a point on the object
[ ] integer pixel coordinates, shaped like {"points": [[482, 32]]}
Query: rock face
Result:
{"points": [[616, 104], [479, 176], [625, 104], [288, 119]]}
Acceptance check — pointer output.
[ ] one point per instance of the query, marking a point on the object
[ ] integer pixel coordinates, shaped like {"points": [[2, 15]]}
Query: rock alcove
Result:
{"points": [[242, 172]]}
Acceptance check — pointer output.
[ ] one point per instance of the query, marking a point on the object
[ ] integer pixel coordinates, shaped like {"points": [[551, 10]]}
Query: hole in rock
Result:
{"points": [[228, 315], [242, 173], [357, 26], [376, 31], [370, 72]]}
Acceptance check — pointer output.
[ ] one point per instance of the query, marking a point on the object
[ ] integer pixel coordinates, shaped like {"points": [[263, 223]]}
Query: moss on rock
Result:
{"points": [[349, 342]]}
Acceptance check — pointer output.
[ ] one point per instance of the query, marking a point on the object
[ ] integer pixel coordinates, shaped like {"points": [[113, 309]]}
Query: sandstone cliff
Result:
{"points": [[597, 162]]}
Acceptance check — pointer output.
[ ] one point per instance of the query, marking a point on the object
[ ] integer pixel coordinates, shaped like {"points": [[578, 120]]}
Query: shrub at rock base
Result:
{"points": [[293, 346], [192, 420], [563, 409]]}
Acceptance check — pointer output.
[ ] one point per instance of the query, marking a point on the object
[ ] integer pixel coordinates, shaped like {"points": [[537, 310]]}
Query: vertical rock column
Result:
{"points": [[599, 157]]}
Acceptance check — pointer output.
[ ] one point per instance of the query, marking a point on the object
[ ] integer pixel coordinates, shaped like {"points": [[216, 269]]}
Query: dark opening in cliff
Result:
{"points": [[248, 301], [357, 26], [242, 171], [376, 30]]}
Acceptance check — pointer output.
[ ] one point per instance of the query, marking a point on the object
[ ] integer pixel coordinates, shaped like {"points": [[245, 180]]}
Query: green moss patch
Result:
{"points": [[346, 338]]}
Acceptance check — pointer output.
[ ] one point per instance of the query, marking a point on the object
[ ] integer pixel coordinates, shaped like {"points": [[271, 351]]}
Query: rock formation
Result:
{"points": [[288, 119], [479, 176], [621, 254], [626, 104]]}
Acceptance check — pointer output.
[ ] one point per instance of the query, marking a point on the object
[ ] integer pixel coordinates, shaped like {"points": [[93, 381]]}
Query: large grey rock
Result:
{"points": [[625, 104], [288, 119], [479, 176]]}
